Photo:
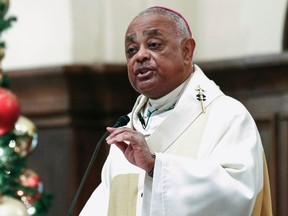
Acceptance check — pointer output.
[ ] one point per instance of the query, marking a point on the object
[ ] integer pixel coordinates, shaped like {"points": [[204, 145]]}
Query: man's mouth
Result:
{"points": [[144, 72]]}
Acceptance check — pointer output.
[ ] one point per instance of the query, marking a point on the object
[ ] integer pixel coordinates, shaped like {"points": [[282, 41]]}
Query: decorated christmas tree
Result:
{"points": [[21, 189]]}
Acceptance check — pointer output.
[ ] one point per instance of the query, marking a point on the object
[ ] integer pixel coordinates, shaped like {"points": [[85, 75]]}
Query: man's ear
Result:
{"points": [[188, 46]]}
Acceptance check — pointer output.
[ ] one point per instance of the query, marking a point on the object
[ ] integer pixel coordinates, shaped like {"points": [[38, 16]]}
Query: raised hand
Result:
{"points": [[133, 145]]}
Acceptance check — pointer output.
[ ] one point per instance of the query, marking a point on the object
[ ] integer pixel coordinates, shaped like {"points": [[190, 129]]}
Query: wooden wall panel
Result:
{"points": [[282, 163]]}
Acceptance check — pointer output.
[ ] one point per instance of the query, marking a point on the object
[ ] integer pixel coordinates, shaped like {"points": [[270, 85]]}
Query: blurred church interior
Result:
{"points": [[67, 66]]}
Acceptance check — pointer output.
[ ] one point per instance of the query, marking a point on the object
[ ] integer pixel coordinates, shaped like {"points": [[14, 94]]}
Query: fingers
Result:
{"points": [[119, 135], [126, 136], [133, 145]]}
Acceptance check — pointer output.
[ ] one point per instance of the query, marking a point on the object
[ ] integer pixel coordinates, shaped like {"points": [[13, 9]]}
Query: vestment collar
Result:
{"points": [[188, 108]]}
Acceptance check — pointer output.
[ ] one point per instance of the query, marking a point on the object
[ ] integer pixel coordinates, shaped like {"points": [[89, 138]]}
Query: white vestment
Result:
{"points": [[207, 163]]}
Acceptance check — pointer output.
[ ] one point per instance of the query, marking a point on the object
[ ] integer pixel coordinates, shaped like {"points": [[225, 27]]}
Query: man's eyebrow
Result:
{"points": [[130, 37], [148, 32]]}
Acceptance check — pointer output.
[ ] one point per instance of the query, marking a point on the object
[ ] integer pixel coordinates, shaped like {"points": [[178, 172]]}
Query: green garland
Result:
{"points": [[5, 82], [5, 23]]}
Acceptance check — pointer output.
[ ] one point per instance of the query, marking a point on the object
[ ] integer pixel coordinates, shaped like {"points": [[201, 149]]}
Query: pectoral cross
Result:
{"points": [[201, 97]]}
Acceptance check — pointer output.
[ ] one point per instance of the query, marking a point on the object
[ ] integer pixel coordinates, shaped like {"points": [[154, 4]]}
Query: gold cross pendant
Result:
{"points": [[201, 97]]}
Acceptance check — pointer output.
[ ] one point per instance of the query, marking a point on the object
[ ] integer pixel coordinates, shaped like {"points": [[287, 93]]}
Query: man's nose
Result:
{"points": [[142, 55]]}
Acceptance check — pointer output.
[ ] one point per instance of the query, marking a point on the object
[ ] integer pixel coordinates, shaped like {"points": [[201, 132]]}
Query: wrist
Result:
{"points": [[151, 172]]}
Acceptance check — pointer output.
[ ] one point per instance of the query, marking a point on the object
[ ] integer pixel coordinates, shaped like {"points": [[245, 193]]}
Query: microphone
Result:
{"points": [[122, 121]]}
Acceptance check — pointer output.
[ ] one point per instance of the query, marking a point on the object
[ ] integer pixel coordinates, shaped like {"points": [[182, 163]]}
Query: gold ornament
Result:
{"points": [[26, 136], [4, 5], [12, 207], [2, 54]]}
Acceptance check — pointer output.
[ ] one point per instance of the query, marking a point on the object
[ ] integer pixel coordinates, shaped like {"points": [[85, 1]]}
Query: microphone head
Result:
{"points": [[122, 121]]}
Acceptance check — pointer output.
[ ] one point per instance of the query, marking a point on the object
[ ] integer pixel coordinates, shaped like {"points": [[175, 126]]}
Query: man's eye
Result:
{"points": [[131, 51], [154, 45]]}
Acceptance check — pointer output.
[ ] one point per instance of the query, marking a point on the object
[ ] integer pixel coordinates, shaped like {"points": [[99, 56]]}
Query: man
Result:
{"points": [[188, 149]]}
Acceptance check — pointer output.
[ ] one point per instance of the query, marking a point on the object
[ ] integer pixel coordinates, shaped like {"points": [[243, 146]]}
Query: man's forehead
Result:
{"points": [[148, 26]]}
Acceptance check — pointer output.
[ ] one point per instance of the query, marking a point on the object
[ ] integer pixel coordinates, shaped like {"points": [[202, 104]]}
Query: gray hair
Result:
{"points": [[182, 27]]}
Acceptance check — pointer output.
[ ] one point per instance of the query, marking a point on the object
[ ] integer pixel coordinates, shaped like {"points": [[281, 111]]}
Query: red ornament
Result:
{"points": [[9, 110], [29, 178]]}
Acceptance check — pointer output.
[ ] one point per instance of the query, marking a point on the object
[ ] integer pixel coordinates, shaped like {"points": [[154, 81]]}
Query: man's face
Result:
{"points": [[155, 57]]}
